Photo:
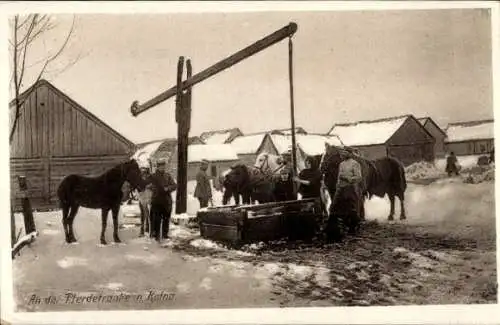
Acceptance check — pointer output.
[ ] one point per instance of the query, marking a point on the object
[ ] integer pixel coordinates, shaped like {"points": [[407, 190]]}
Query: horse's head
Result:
{"points": [[133, 175], [268, 163], [330, 159]]}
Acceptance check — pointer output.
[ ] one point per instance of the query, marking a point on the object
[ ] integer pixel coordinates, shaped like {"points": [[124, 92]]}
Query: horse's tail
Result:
{"points": [[401, 174]]}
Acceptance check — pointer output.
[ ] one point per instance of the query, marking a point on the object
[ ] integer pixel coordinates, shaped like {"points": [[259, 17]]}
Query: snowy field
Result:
{"points": [[443, 254]]}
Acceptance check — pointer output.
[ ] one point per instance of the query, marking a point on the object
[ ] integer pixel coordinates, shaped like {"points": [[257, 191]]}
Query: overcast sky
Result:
{"points": [[348, 66]]}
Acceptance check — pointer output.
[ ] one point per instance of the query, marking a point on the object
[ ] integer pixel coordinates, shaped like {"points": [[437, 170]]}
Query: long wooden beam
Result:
{"points": [[228, 62]]}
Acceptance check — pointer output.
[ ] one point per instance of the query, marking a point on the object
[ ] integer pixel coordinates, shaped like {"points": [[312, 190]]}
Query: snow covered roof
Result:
{"points": [[311, 144], [218, 138], [368, 132], [143, 154], [470, 131], [298, 130], [211, 152], [247, 144]]}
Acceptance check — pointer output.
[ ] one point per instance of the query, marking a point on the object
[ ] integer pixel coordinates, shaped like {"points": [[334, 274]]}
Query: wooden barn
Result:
{"points": [[438, 134], [470, 138], [55, 137], [248, 146], [402, 137]]}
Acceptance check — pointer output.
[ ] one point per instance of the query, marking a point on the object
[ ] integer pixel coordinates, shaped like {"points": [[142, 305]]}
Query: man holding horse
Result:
{"points": [[161, 200], [346, 204]]}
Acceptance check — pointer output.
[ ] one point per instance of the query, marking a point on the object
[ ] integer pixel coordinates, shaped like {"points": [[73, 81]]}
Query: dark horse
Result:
{"points": [[102, 192], [380, 177], [248, 182]]}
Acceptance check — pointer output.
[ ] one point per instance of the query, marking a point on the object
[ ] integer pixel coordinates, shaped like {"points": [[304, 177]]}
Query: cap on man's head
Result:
{"points": [[161, 162], [204, 161]]}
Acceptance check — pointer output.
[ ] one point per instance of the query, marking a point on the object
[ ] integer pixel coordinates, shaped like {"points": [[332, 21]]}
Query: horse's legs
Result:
{"points": [[115, 211], [143, 218], [401, 198], [391, 214], [71, 218], [65, 212], [104, 220]]}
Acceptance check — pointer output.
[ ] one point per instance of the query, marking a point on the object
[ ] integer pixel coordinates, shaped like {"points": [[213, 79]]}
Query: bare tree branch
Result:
{"points": [[25, 32], [25, 50], [61, 49], [16, 88]]}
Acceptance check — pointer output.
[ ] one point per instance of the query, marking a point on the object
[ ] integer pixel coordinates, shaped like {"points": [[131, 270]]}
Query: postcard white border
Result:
{"points": [[458, 314]]}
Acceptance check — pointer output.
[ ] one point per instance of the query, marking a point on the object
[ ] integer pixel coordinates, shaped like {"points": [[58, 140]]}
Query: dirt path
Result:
{"points": [[443, 254]]}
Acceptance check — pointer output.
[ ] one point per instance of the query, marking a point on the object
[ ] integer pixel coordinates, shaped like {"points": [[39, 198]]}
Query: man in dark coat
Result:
{"points": [[283, 186], [203, 190], [161, 200], [309, 180], [452, 164]]}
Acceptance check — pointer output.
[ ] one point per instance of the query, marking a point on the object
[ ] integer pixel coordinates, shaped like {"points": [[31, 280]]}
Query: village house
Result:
{"points": [[55, 136], [402, 137], [308, 145], [219, 156], [438, 133], [248, 146], [470, 138]]}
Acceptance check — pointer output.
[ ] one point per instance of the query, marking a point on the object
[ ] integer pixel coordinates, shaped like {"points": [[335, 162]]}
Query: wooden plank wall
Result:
{"points": [[43, 181], [51, 125]]}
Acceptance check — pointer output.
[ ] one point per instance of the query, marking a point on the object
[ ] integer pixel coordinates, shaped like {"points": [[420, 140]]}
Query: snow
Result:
{"points": [[282, 143], [311, 144], [68, 262], [424, 170], [474, 132], [211, 152], [314, 145], [143, 154], [466, 162], [247, 144], [218, 138], [206, 284], [367, 132]]}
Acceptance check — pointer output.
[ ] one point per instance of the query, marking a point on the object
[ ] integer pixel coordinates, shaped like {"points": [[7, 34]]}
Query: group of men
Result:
{"points": [[344, 208], [346, 205], [156, 210]]}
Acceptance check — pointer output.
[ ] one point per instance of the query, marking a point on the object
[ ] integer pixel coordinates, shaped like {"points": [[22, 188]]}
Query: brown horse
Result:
{"points": [[103, 192], [380, 177]]}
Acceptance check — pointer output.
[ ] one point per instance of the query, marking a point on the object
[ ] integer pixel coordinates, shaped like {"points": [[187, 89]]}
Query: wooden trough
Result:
{"points": [[244, 224]]}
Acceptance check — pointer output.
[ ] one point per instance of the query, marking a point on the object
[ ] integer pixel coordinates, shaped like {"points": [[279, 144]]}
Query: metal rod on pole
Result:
{"points": [[292, 111]]}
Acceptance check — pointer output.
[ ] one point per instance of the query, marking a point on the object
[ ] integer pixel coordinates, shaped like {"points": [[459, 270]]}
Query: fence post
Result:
{"points": [[29, 221]]}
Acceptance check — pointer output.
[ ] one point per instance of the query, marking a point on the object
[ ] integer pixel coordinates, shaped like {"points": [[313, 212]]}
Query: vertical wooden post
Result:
{"points": [[180, 117], [29, 221], [12, 227], [292, 112]]}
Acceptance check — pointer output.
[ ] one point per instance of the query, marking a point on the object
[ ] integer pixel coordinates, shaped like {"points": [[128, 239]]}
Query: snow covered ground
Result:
{"points": [[443, 253]]}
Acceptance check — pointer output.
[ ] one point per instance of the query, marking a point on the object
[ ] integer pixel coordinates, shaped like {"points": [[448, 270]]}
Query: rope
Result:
{"points": [[292, 111]]}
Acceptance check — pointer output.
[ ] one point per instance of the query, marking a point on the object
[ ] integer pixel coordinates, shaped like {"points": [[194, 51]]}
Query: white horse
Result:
{"points": [[269, 164]]}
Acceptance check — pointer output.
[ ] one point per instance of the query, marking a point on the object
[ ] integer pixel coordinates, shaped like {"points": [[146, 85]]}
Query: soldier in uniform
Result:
{"points": [[203, 190], [345, 208], [161, 200]]}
